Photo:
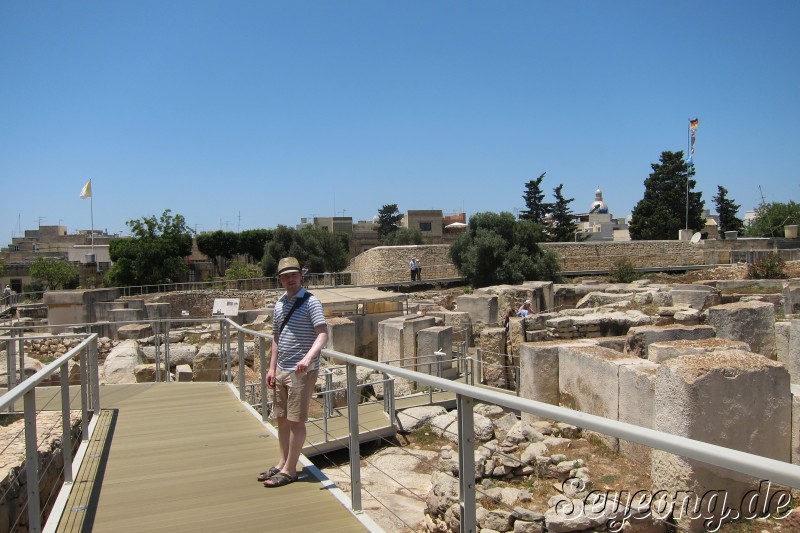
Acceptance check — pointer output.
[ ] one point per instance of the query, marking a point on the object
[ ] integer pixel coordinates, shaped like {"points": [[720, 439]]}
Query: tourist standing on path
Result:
{"points": [[299, 334], [412, 265], [419, 269]]}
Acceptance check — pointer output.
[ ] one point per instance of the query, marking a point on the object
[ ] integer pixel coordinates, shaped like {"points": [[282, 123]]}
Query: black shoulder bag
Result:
{"points": [[297, 303]]}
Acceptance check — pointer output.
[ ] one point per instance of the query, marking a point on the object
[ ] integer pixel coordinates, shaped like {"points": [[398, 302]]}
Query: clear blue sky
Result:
{"points": [[250, 114]]}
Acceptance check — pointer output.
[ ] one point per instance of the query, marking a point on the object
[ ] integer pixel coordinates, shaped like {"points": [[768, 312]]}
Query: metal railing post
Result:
{"points": [[156, 338], [168, 377], [228, 353], [355, 452], [66, 425], [32, 462], [94, 374], [240, 349], [262, 356], [85, 377], [466, 463]]}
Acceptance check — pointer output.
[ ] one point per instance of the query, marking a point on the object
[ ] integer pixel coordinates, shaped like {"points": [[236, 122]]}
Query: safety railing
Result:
{"points": [[25, 390]]}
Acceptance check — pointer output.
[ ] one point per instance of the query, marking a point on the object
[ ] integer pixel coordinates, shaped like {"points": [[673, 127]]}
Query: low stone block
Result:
{"points": [[639, 338], [481, 307], [751, 322], [134, 331], [691, 394], [183, 373], [658, 352]]}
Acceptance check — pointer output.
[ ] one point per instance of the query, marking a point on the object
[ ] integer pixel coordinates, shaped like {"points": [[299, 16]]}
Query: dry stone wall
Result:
{"points": [[389, 264], [588, 256]]}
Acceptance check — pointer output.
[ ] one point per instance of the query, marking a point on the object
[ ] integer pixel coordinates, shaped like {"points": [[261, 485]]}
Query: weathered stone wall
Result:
{"points": [[13, 483], [589, 256], [199, 304], [389, 264]]}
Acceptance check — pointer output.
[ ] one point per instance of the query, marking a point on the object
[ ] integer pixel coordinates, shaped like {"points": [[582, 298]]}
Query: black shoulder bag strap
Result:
{"points": [[297, 303]]}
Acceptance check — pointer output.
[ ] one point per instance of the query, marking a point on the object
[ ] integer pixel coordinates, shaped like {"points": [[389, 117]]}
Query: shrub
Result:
{"points": [[768, 267], [622, 271]]}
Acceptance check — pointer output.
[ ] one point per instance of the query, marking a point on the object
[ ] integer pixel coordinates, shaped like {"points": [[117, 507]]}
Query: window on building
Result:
{"points": [[425, 226]]}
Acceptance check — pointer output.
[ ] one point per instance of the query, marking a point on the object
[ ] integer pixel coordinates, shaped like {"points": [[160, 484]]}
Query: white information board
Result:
{"points": [[225, 307]]}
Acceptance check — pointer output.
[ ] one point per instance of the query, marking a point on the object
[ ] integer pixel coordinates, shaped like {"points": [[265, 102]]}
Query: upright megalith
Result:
{"points": [[791, 297], [728, 398], [495, 369], [483, 308], [752, 322], [538, 371], [588, 379], [433, 341]]}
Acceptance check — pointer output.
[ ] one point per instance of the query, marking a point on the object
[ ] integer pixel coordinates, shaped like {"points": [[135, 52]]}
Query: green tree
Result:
{"points": [[316, 249], [156, 252], [562, 226], [537, 208], [662, 212], [727, 211], [498, 249], [239, 270], [389, 218], [253, 241], [54, 273], [772, 217], [403, 237], [218, 245]]}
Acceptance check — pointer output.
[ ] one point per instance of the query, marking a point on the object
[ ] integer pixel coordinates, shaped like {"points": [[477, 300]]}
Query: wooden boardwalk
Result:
{"points": [[184, 457]]}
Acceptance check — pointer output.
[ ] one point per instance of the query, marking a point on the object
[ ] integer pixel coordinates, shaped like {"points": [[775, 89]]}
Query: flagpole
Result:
{"points": [[688, 151]]}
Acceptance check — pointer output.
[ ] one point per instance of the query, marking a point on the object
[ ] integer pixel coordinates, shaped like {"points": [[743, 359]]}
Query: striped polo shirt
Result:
{"points": [[298, 335]]}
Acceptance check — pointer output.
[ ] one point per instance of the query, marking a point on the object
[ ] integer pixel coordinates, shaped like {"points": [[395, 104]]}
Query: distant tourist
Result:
{"points": [[413, 265], [299, 334], [525, 309]]}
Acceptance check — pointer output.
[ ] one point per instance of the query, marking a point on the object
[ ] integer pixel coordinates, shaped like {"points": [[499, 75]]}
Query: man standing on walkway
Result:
{"points": [[299, 334]]}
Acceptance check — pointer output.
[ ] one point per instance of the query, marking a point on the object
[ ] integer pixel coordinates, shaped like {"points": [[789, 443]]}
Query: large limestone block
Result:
{"points": [[541, 294], [787, 338], [588, 379], [751, 322], [727, 398], [597, 299], [207, 366], [695, 296], [482, 308], [134, 331], [390, 339], [538, 368], [658, 352], [791, 297], [180, 353], [121, 362], [508, 297], [637, 388], [462, 326], [795, 424], [146, 373], [495, 370], [157, 310], [411, 327], [342, 335], [640, 337], [430, 341]]}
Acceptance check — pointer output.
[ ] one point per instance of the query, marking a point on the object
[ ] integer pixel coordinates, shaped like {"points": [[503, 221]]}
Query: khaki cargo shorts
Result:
{"points": [[293, 394]]}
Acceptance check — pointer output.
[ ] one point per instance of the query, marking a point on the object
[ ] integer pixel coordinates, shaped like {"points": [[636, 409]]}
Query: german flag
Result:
{"points": [[693, 123]]}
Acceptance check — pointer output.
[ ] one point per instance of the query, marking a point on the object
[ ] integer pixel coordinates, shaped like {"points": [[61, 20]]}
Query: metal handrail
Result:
{"points": [[26, 390]]}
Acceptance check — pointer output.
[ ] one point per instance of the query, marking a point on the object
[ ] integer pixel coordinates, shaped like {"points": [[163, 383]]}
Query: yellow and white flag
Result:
{"points": [[86, 192]]}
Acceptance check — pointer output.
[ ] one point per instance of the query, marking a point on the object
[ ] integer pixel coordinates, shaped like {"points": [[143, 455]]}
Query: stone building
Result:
{"points": [[599, 225]]}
